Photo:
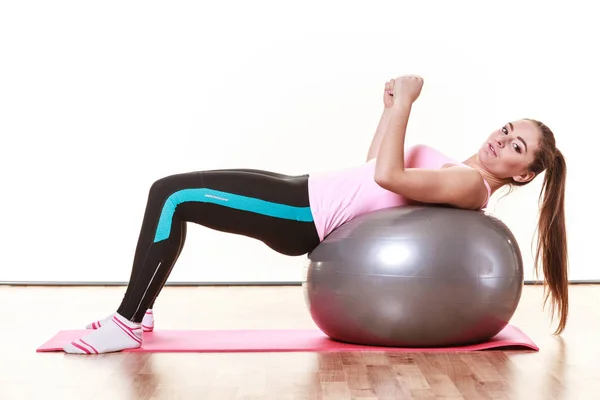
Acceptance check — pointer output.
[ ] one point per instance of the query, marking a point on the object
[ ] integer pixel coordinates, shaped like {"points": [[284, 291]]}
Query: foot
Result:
{"points": [[117, 334], [147, 322], [98, 324]]}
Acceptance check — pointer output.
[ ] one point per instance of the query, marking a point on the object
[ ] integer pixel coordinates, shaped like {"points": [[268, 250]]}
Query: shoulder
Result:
{"points": [[470, 188]]}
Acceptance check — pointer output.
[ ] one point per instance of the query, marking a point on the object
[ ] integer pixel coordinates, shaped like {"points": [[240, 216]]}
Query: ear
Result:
{"points": [[524, 177]]}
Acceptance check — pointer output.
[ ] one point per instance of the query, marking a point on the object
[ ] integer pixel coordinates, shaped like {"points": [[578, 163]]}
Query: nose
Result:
{"points": [[500, 141]]}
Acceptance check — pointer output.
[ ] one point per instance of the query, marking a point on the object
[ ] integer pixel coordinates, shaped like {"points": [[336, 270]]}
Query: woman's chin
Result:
{"points": [[488, 165]]}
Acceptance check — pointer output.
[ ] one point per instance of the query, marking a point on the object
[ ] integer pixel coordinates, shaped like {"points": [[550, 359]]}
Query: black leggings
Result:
{"points": [[267, 206]]}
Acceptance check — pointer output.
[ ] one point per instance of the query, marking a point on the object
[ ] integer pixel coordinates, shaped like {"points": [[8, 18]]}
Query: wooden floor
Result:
{"points": [[566, 367]]}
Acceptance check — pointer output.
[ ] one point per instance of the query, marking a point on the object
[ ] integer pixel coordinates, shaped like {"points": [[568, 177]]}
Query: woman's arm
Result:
{"points": [[379, 133], [460, 187], [390, 159], [455, 186], [388, 102]]}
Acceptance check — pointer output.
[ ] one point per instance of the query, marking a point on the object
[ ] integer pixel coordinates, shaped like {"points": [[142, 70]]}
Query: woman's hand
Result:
{"points": [[388, 93], [407, 89]]}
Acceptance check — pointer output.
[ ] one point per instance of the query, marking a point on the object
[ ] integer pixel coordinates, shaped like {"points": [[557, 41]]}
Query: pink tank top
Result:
{"points": [[339, 196]]}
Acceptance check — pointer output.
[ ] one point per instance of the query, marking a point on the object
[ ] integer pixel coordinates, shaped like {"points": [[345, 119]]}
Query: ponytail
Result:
{"points": [[552, 253]]}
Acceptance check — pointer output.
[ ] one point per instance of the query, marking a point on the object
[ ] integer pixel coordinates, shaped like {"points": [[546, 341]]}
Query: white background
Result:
{"points": [[99, 99]]}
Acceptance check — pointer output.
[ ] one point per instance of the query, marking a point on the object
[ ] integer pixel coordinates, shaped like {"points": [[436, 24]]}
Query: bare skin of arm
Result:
{"points": [[454, 186], [388, 102], [379, 133]]}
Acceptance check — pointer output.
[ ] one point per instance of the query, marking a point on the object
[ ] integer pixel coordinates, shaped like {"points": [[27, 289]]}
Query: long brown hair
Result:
{"points": [[552, 252]]}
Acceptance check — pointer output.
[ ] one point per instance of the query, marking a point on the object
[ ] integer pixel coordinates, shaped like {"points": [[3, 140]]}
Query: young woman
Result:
{"points": [[293, 214]]}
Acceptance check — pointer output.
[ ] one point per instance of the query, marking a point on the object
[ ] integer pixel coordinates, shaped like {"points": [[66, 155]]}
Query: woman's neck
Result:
{"points": [[494, 182]]}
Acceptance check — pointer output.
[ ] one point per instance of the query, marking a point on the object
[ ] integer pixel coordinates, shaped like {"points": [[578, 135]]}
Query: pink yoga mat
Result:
{"points": [[206, 341]]}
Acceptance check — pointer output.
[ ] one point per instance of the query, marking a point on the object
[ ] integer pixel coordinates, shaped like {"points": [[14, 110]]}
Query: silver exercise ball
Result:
{"points": [[415, 277]]}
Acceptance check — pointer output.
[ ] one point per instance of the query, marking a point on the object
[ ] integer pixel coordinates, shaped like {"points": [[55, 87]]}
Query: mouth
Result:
{"points": [[492, 149]]}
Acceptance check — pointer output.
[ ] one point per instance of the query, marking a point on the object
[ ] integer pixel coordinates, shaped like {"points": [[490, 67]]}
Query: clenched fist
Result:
{"points": [[407, 89]]}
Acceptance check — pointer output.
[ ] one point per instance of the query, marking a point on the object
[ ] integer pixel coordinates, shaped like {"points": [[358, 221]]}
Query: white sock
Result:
{"points": [[147, 322], [114, 335], [98, 324]]}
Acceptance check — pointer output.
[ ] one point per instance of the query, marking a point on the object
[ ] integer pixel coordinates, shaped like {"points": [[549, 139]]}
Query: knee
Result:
{"points": [[166, 189], [163, 187]]}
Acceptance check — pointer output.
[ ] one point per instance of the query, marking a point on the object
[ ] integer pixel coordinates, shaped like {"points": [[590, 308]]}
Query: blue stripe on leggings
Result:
{"points": [[225, 199]]}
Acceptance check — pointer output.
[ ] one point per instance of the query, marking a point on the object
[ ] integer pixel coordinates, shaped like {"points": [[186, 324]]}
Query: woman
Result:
{"points": [[293, 214]]}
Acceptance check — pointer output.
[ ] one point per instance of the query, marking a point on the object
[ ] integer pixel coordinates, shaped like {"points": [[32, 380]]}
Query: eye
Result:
{"points": [[504, 130], [517, 148]]}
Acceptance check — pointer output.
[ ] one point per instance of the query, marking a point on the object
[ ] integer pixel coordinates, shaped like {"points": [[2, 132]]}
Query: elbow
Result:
{"points": [[384, 178], [380, 179]]}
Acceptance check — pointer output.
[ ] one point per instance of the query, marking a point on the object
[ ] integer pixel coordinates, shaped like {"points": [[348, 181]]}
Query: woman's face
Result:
{"points": [[508, 151]]}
